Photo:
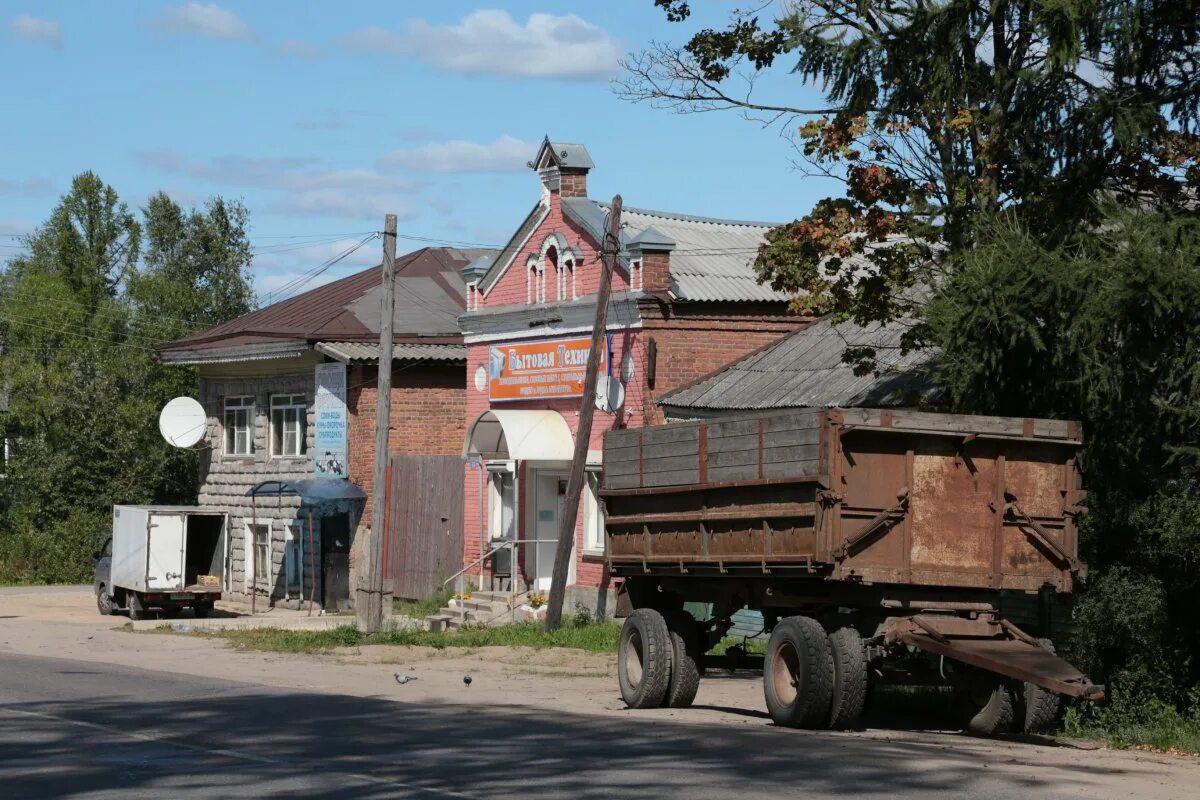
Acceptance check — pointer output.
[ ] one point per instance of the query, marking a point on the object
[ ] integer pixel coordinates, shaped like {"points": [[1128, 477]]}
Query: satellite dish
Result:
{"points": [[182, 422], [610, 394]]}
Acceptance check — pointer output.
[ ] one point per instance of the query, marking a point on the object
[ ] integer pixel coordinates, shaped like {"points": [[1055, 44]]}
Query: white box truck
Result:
{"points": [[164, 557]]}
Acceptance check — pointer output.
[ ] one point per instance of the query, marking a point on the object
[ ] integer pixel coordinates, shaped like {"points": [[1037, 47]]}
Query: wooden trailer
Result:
{"points": [[874, 542]]}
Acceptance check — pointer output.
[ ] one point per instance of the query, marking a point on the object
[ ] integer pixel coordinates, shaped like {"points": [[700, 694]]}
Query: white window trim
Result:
{"points": [[251, 569], [294, 549], [593, 514], [301, 443], [225, 409]]}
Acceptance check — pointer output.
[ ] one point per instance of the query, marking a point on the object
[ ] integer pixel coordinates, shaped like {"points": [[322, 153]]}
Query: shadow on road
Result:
{"points": [[306, 744]]}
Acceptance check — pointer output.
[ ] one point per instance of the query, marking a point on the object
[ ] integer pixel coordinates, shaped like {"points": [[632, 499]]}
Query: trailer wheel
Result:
{"points": [[104, 601], [990, 706], [685, 655], [798, 674], [137, 610], [1039, 707], [849, 678], [644, 659]]}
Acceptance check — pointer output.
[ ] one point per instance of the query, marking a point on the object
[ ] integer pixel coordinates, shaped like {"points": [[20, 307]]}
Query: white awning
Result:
{"points": [[520, 435]]}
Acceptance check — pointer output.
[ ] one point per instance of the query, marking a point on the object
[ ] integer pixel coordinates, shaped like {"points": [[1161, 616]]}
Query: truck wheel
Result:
{"points": [[685, 675], [849, 678], [137, 611], [798, 674], [202, 610], [1038, 708], [990, 708], [644, 659], [104, 601]]}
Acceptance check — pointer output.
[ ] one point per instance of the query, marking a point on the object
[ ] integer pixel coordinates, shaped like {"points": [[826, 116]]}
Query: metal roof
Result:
{"points": [[240, 352], [805, 369], [712, 260], [569, 315], [564, 154], [430, 294], [366, 351]]}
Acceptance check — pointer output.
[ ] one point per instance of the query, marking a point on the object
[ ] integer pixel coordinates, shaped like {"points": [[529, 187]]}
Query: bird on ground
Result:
{"points": [[403, 679], [466, 680]]}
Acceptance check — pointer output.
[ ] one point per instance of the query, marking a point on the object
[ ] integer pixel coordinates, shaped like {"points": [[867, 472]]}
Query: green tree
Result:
{"points": [[934, 112], [80, 317]]}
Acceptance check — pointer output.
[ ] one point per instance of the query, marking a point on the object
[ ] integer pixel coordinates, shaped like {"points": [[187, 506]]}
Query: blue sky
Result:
{"points": [[322, 117]]}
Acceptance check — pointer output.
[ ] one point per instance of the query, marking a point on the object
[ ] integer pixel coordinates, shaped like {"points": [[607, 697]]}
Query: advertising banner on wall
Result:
{"points": [[329, 438], [541, 369]]}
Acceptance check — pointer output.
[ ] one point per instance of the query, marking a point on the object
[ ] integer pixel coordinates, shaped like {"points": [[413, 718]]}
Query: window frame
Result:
{"points": [[301, 421], [253, 576], [245, 405], [293, 554], [594, 540]]}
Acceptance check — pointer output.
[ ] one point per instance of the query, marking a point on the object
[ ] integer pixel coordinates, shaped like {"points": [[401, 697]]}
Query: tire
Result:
{"points": [[104, 602], [685, 674], [202, 610], [1038, 708], [644, 659], [989, 706], [798, 674], [137, 611], [849, 678]]}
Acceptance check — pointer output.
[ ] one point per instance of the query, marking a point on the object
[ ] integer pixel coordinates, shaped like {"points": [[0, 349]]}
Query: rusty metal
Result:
{"points": [[887, 517], [1033, 528]]}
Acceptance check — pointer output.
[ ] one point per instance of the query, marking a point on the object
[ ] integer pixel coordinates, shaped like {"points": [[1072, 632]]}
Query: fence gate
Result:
{"points": [[425, 540]]}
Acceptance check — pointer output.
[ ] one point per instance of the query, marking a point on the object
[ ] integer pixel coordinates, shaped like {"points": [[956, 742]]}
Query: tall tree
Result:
{"points": [[80, 389], [935, 112]]}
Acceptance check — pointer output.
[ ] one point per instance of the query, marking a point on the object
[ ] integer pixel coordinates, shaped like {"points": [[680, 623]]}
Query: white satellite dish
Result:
{"points": [[182, 422], [610, 394]]}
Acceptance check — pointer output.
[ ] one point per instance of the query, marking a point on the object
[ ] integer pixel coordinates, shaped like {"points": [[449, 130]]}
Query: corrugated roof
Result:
{"points": [[805, 369], [430, 294], [365, 351], [713, 259]]}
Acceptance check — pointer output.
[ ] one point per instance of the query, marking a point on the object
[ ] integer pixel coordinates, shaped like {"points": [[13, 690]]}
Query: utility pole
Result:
{"points": [[368, 604], [587, 409]]}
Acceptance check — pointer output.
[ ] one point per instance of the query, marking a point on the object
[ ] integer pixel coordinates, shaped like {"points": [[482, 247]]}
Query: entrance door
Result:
{"points": [[550, 488], [335, 562], [165, 568]]}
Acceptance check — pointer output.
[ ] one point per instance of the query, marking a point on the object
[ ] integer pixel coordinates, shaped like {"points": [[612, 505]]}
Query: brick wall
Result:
{"points": [[695, 339], [573, 183], [428, 416]]}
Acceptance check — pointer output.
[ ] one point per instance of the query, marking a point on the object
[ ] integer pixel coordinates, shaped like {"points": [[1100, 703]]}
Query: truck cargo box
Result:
{"points": [[168, 549], [864, 495]]}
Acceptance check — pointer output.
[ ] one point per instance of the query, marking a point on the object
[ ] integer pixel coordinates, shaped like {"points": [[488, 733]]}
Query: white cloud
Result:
{"points": [[33, 29], [341, 203], [298, 48], [506, 154], [28, 186], [492, 42], [14, 227], [207, 20]]}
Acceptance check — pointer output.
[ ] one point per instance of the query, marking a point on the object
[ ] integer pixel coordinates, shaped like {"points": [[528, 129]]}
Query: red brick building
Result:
{"points": [[685, 302], [259, 380]]}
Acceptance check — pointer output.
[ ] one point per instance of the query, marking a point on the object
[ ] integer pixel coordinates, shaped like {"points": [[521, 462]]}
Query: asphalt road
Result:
{"points": [[87, 729]]}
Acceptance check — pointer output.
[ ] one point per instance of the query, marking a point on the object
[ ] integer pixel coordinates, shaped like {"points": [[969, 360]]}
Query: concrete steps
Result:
{"points": [[483, 608]]}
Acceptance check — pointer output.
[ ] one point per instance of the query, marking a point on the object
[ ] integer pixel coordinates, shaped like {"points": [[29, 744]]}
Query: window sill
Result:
{"points": [[593, 555], [237, 456]]}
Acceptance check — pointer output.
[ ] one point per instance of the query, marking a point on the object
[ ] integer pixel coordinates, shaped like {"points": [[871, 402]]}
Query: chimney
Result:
{"points": [[650, 260], [563, 168]]}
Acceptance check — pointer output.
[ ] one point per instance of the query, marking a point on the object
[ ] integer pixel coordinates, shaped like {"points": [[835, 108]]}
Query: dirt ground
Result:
{"points": [[62, 622]]}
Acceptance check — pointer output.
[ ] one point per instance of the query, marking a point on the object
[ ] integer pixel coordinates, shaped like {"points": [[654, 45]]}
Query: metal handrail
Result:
{"points": [[510, 544]]}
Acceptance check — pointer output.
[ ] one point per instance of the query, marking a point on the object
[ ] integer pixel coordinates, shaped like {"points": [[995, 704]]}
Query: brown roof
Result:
{"points": [[430, 294]]}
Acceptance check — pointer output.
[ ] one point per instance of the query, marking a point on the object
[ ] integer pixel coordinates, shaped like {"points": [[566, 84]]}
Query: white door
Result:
{"points": [[166, 552], [549, 490]]}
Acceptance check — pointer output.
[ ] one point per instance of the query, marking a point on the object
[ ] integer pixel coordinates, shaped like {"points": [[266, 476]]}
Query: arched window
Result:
{"points": [[567, 280], [550, 264], [531, 281]]}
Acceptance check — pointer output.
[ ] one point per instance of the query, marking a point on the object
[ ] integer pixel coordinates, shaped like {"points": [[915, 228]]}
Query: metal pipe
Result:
{"points": [[253, 554], [312, 567]]}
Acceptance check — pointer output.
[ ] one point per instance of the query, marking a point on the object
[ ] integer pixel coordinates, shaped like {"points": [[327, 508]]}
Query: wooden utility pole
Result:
{"points": [[368, 604], [583, 434]]}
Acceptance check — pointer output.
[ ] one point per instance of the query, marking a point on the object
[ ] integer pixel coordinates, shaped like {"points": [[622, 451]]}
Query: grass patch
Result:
{"points": [[753, 646], [419, 609], [1155, 725], [595, 637]]}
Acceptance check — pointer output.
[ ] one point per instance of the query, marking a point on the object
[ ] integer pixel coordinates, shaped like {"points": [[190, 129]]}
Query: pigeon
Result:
{"points": [[403, 679], [466, 680]]}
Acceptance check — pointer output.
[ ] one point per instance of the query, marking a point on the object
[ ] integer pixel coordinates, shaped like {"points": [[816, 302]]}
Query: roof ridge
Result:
{"points": [[688, 217]]}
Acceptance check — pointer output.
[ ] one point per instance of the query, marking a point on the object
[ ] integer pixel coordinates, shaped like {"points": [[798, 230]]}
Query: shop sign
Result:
{"points": [[540, 370], [329, 438]]}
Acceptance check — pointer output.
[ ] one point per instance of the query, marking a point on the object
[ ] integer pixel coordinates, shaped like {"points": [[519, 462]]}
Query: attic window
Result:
{"points": [[566, 280], [535, 282]]}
